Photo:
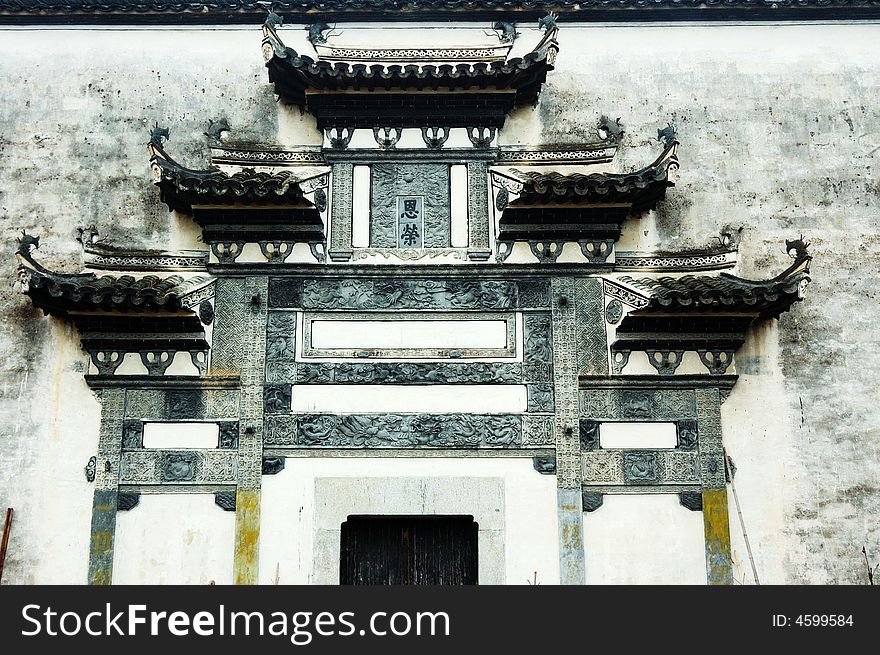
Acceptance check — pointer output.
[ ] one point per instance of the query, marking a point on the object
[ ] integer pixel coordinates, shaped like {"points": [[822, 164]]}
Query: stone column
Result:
{"points": [[103, 529], [341, 212], [568, 453], [716, 523], [478, 210], [250, 444]]}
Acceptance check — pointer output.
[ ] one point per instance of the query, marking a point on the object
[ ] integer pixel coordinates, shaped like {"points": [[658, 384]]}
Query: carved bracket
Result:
{"points": [[225, 500], [227, 252], [544, 465], [157, 361], [276, 252], [716, 361], [481, 137], [339, 137], [597, 252], [127, 500], [592, 500], [437, 138], [107, 361], [692, 500], [387, 140], [665, 361]]}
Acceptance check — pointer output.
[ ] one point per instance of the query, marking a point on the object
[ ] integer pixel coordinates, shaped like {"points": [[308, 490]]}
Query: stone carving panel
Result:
{"points": [[407, 372], [638, 404], [392, 180], [408, 431], [152, 467]]}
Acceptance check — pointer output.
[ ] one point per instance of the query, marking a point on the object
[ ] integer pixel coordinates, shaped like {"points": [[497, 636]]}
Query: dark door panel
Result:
{"points": [[408, 550]]}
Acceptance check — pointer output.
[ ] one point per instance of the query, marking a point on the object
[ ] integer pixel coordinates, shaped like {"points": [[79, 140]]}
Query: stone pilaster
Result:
{"points": [[103, 527]]}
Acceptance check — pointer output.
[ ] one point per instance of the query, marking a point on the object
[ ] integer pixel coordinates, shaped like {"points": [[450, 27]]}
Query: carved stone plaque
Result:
{"points": [[410, 221]]}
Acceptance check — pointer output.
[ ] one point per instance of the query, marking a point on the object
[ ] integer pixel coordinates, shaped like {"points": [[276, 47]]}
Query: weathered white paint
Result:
{"points": [[409, 333], [432, 399], [638, 435], [644, 539], [174, 539], [181, 435], [305, 504]]}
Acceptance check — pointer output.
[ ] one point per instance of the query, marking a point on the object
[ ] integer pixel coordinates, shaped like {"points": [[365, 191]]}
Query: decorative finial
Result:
{"points": [[508, 31], [668, 135], [798, 247], [548, 23], [216, 129], [87, 235], [316, 33], [159, 135], [27, 243], [610, 130], [273, 20]]}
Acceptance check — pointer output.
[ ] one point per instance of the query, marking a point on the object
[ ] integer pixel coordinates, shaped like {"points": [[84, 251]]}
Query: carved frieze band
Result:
{"points": [[392, 294], [394, 431], [159, 467], [181, 404], [409, 373], [627, 296], [640, 467], [638, 404]]}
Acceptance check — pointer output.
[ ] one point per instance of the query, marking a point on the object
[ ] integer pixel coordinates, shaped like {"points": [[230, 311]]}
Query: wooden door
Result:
{"points": [[408, 550]]}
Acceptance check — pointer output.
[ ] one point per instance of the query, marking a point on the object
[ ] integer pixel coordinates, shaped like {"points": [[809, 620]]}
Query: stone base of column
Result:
{"points": [[571, 537], [247, 537], [716, 526]]}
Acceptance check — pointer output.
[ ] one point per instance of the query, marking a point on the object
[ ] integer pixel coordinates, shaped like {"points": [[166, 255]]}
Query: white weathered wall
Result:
{"points": [[644, 539], [309, 499], [174, 539]]}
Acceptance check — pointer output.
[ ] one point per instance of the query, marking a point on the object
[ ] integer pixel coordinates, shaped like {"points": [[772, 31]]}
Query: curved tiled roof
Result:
{"points": [[641, 188], [182, 187], [293, 73], [58, 291], [244, 11], [724, 292]]}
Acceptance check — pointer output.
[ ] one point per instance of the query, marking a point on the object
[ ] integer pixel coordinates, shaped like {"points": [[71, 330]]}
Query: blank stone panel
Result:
{"points": [[637, 435], [434, 399], [181, 435]]}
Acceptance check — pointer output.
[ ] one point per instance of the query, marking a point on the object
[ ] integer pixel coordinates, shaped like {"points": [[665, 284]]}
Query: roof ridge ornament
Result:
{"points": [[273, 20], [316, 32], [797, 248], [159, 135], [215, 131], [548, 22], [668, 135], [610, 131], [507, 31]]}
